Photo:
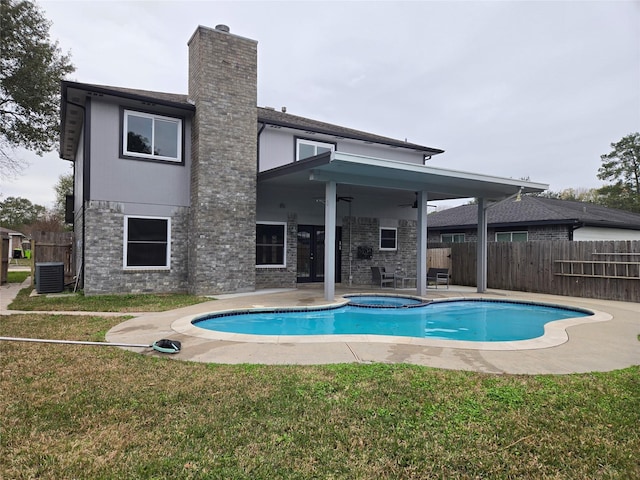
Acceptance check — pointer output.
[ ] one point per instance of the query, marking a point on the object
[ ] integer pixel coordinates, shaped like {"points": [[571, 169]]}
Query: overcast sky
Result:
{"points": [[534, 89]]}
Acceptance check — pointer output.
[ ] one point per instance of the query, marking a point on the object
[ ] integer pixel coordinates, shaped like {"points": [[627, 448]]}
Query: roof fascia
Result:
{"points": [[130, 96]]}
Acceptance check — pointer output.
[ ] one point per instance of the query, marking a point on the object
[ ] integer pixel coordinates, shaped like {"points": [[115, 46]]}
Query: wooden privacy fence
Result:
{"points": [[53, 247], [594, 269]]}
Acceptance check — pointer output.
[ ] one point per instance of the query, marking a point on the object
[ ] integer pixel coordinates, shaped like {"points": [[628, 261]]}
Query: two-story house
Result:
{"points": [[208, 193]]}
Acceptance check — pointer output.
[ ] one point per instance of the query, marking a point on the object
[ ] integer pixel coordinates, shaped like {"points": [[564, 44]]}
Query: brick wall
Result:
{"points": [[223, 86], [542, 232], [104, 247], [283, 277], [365, 232]]}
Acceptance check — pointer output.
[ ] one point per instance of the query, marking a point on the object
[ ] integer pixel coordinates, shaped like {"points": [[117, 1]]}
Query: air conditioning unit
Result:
{"points": [[49, 277]]}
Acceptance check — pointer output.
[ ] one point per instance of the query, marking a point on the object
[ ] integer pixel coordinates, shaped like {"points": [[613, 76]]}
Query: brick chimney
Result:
{"points": [[223, 87]]}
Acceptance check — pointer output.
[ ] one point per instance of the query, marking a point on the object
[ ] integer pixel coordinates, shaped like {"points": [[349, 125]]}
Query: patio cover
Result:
{"points": [[431, 183]]}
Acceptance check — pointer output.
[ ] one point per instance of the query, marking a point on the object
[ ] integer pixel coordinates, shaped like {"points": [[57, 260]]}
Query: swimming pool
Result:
{"points": [[385, 301], [466, 320]]}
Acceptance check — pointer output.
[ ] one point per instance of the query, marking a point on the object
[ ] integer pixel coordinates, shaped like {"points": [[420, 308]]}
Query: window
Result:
{"points": [[151, 136], [512, 236], [388, 238], [452, 238], [271, 244], [147, 243], [309, 148]]}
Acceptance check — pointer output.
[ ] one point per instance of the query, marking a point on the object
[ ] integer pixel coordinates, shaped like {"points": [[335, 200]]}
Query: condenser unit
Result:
{"points": [[49, 277]]}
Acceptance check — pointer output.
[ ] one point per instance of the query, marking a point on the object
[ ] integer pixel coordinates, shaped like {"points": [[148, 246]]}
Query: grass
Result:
{"points": [[17, 276], [103, 303], [21, 262], [101, 412]]}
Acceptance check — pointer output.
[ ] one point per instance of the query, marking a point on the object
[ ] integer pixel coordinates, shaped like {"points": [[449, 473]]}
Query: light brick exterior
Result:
{"points": [[366, 232], [104, 241], [535, 233], [223, 86], [283, 277]]}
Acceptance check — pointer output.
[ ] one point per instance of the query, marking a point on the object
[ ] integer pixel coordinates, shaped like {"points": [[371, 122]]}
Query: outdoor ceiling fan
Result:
{"points": [[415, 203], [339, 198], [412, 205]]}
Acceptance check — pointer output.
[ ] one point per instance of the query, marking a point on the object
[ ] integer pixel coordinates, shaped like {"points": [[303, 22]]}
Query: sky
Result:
{"points": [[536, 89]]}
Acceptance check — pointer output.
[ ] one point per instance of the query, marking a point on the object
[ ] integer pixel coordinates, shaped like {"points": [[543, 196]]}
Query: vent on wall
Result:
{"points": [[50, 277]]}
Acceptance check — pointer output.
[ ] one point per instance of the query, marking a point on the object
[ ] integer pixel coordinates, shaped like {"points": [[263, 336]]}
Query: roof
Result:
{"points": [[274, 117], [369, 172], [7, 231], [532, 210], [74, 95]]}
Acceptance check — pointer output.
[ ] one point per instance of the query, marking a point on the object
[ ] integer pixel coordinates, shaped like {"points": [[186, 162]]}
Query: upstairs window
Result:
{"points": [[512, 236], [310, 148], [388, 238], [271, 244], [151, 136], [147, 243]]}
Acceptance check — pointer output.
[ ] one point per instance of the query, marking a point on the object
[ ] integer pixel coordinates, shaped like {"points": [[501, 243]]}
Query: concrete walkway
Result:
{"points": [[608, 343]]}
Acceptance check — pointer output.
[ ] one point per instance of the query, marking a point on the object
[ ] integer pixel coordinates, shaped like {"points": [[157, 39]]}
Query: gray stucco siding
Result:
{"points": [[277, 148], [380, 151], [134, 181]]}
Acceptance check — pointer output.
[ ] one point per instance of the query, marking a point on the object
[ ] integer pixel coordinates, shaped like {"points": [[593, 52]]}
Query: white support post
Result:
{"points": [[330, 241], [481, 272], [421, 281]]}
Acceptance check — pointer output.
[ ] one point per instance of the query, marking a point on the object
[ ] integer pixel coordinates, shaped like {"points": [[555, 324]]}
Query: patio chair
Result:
{"points": [[379, 277], [438, 276]]}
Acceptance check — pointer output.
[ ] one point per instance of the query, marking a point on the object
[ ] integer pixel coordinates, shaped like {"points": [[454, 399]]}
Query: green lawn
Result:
{"points": [[102, 412], [17, 276], [103, 303]]}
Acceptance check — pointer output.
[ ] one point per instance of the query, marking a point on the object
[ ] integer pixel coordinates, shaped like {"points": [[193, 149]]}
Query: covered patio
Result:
{"points": [[325, 176]]}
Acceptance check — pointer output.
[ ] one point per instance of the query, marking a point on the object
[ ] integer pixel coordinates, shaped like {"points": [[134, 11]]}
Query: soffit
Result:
{"points": [[440, 184]]}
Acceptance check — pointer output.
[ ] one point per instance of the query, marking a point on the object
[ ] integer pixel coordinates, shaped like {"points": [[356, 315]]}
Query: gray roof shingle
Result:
{"points": [[536, 210], [265, 115]]}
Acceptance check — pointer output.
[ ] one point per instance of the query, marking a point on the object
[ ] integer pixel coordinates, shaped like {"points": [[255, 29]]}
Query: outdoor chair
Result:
{"points": [[438, 276], [380, 277]]}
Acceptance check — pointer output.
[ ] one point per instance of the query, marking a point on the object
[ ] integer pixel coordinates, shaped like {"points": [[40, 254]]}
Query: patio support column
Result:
{"points": [[421, 281], [481, 272], [329, 240]]}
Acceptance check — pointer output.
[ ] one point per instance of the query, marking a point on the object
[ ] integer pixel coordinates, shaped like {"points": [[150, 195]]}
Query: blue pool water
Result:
{"points": [[481, 321], [384, 301]]}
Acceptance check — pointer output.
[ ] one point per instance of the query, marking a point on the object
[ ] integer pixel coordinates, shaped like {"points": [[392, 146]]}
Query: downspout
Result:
{"points": [[350, 251], [262, 127]]}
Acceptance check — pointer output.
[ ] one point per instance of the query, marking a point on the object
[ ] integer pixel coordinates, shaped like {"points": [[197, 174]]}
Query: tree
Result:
{"points": [[581, 194], [63, 187], [622, 165], [17, 212], [31, 67]]}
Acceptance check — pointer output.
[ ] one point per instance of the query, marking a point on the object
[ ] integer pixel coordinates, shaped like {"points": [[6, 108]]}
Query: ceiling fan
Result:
{"points": [[415, 203], [412, 205], [338, 199]]}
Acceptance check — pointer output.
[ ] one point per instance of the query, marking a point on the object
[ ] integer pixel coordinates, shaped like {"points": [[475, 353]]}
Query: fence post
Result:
{"points": [[33, 263]]}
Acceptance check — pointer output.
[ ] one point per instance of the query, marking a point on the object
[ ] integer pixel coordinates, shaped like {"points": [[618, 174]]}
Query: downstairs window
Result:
{"points": [[147, 243]]}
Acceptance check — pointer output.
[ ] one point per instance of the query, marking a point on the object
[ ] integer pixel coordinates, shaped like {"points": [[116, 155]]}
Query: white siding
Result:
{"points": [[596, 233]]}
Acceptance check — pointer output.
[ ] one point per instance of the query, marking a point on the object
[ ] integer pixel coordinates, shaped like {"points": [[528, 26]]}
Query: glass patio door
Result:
{"points": [[311, 253]]}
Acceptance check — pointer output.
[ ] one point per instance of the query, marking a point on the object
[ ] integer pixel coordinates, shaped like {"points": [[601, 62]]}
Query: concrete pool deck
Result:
{"points": [[608, 343]]}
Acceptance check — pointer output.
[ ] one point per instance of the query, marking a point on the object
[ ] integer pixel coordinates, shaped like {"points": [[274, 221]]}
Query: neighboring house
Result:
{"points": [[534, 218], [15, 242], [208, 193]]}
